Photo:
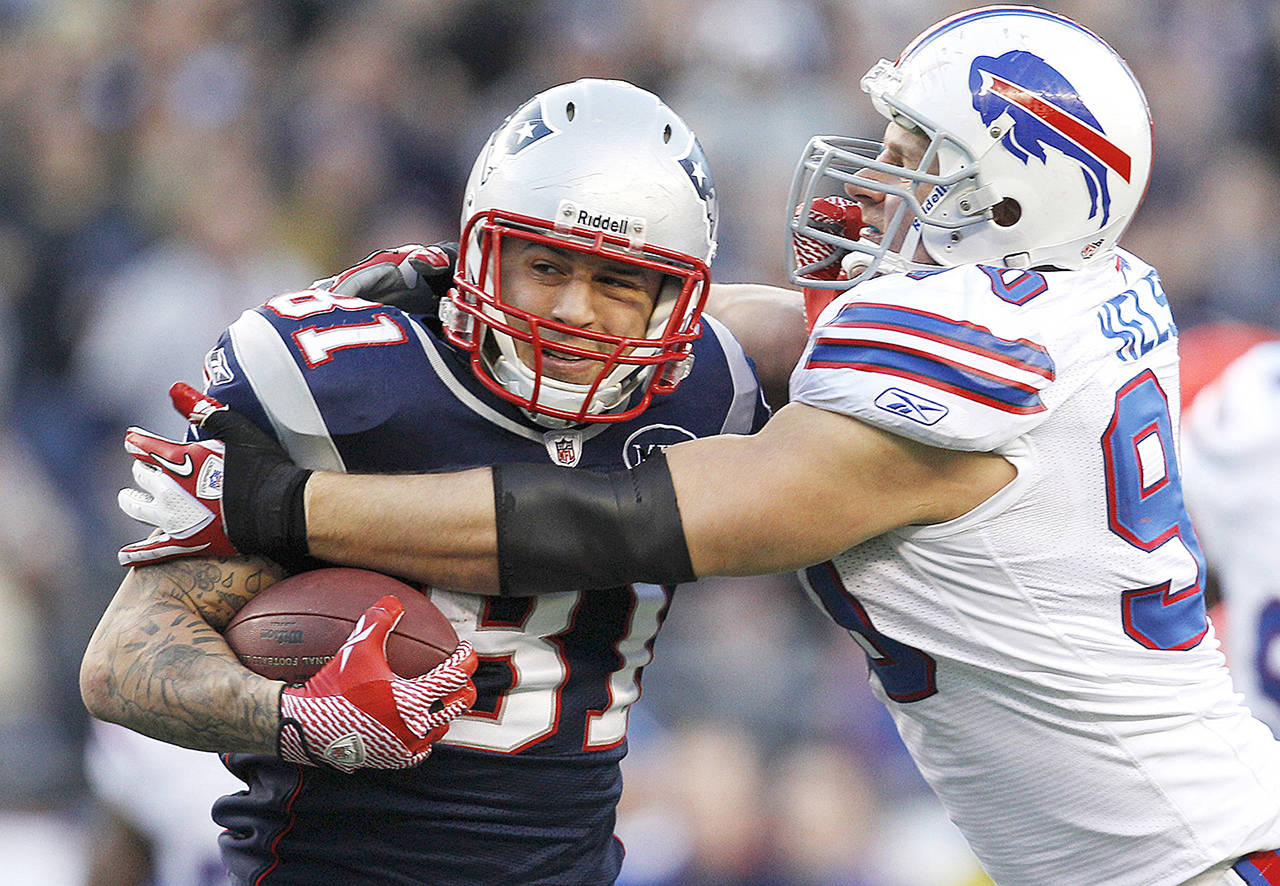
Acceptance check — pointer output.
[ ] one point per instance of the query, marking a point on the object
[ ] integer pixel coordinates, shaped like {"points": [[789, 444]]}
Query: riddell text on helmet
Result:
{"points": [[602, 222]]}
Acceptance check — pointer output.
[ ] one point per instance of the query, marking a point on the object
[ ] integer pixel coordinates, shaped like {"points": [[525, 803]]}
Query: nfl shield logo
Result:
{"points": [[564, 447], [209, 483]]}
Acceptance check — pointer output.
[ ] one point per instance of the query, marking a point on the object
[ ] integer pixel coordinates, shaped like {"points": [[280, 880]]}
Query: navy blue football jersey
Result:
{"points": [[523, 789]]}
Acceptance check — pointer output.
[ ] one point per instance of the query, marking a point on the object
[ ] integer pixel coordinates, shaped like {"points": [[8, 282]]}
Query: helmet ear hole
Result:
{"points": [[570, 110], [1006, 212]]}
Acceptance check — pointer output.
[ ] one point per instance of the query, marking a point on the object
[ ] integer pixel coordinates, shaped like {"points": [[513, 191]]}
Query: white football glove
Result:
{"points": [[180, 494]]}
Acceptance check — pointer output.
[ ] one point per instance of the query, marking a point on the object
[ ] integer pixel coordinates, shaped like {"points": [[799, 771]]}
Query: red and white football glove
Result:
{"points": [[355, 713], [238, 493], [835, 215], [413, 278], [244, 493], [181, 495]]}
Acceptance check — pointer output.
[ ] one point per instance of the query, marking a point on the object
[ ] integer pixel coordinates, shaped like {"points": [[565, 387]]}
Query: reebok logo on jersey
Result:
{"points": [[918, 409], [216, 369]]}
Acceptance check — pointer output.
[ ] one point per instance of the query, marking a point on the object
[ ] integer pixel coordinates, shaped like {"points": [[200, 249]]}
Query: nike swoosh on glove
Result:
{"points": [[258, 499], [180, 494], [356, 713], [262, 489]]}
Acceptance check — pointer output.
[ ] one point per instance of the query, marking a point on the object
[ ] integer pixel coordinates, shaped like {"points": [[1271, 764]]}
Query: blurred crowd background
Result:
{"points": [[167, 164]]}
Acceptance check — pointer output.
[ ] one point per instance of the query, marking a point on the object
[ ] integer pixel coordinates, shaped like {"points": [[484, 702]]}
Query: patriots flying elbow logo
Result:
{"points": [[526, 127], [694, 164], [1046, 111]]}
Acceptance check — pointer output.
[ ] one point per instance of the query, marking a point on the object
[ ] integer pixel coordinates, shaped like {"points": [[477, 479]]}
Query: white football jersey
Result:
{"points": [[1046, 656], [1231, 450]]}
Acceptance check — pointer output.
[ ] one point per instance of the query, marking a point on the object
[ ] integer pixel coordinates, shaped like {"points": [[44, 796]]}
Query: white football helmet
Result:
{"points": [[600, 167], [1039, 153]]}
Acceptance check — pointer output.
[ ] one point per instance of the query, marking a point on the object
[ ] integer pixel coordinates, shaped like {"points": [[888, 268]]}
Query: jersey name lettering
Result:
{"points": [[1138, 318]]}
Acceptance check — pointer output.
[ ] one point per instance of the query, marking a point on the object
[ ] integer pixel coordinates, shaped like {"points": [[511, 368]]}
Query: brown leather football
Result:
{"points": [[292, 628]]}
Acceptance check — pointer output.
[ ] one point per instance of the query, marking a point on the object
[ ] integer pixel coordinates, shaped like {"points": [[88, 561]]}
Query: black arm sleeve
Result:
{"points": [[561, 530]]}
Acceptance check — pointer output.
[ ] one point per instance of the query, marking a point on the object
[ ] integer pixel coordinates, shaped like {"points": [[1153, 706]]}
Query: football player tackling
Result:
{"points": [[574, 338], [977, 474]]}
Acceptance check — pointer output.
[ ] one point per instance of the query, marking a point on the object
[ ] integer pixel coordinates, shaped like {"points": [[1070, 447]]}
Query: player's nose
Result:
{"points": [[574, 304], [865, 188]]}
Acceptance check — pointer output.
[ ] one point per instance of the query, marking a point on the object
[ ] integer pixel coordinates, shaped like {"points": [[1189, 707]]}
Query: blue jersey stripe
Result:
{"points": [[981, 387], [1021, 354]]}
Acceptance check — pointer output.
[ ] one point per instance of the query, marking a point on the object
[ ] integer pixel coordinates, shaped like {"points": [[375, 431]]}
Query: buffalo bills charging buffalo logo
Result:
{"points": [[1046, 112]]}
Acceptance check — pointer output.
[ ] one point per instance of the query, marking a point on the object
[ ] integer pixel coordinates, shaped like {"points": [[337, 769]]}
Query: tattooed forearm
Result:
{"points": [[215, 588], [157, 663]]}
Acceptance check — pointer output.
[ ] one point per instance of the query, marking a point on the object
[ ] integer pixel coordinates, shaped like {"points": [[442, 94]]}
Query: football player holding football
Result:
{"points": [[571, 335], [977, 475]]}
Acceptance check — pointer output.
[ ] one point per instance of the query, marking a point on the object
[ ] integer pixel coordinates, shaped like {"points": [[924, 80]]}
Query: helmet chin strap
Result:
{"points": [[512, 373]]}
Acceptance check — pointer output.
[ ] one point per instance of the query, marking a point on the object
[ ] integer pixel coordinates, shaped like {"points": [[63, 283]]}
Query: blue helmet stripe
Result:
{"points": [[975, 15]]}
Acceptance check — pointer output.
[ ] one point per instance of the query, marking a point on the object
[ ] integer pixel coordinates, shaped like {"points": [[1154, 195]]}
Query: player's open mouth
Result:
{"points": [[571, 368], [549, 352]]}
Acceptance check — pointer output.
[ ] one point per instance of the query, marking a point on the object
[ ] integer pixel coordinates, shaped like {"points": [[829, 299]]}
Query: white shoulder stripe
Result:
{"points": [[281, 389], [472, 402], [906, 340], [746, 391]]}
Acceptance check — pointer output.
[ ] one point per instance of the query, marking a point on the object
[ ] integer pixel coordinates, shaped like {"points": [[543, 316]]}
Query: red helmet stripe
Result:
{"points": [[1078, 131]]}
